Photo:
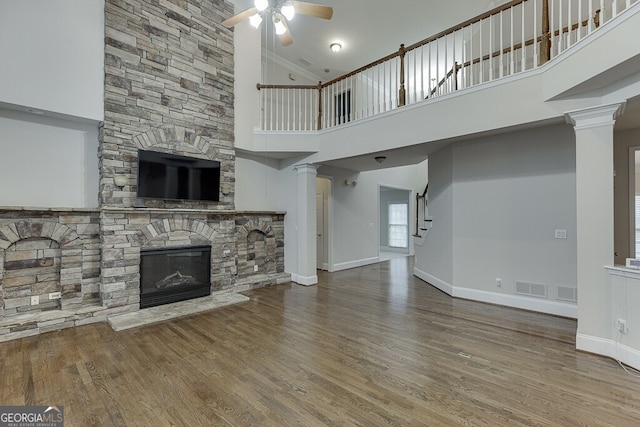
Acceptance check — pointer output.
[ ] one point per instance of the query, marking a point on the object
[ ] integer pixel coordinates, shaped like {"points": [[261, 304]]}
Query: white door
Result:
{"points": [[319, 230]]}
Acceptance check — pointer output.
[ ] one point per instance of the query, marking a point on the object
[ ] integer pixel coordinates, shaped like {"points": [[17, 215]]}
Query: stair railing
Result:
{"points": [[423, 221], [513, 38]]}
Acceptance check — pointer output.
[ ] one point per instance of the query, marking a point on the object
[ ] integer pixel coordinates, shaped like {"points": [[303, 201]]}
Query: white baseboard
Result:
{"points": [[516, 301], [304, 280], [434, 281], [353, 264], [610, 348], [539, 305]]}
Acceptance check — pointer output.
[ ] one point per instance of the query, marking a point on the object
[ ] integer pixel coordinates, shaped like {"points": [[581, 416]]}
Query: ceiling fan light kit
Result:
{"points": [[261, 4], [278, 25], [288, 11], [281, 11], [255, 20]]}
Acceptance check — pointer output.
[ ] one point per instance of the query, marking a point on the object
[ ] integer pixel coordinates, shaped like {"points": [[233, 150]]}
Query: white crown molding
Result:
{"points": [[296, 69]]}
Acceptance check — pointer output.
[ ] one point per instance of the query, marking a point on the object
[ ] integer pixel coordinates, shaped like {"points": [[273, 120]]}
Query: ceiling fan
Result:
{"points": [[280, 12]]}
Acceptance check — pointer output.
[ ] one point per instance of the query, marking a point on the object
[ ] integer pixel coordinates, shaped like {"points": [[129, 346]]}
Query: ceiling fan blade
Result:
{"points": [[239, 17], [312, 9], [285, 38]]}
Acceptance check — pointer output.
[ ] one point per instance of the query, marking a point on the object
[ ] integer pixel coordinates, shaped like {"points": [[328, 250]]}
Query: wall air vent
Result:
{"points": [[566, 293], [531, 289]]}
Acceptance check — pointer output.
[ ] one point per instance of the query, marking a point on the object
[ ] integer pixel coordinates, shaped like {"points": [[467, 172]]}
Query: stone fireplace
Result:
{"points": [[168, 87]]}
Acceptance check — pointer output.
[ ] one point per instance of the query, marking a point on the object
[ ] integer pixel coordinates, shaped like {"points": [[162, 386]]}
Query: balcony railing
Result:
{"points": [[516, 37]]}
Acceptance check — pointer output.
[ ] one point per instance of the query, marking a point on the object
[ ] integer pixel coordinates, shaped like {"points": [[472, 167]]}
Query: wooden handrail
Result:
{"points": [[403, 50], [359, 70], [466, 23], [428, 40], [261, 86], [596, 22], [529, 42]]}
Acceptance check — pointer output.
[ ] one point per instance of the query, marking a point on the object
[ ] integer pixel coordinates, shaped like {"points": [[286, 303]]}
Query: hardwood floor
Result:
{"points": [[371, 346]]}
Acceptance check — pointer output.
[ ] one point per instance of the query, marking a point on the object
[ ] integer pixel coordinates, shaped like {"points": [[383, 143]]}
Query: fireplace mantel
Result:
{"points": [[139, 210]]}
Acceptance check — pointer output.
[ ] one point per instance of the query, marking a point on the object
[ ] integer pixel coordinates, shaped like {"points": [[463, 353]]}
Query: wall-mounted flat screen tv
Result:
{"points": [[171, 177]]}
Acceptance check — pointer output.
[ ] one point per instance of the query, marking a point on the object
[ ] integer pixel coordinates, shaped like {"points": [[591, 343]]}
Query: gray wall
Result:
{"points": [[496, 203]]}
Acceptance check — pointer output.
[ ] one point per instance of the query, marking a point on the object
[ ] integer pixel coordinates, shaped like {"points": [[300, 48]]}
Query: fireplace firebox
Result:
{"points": [[175, 274]]}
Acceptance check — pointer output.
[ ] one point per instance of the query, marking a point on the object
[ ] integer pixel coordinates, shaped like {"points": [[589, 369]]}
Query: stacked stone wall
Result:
{"points": [[168, 87], [44, 252]]}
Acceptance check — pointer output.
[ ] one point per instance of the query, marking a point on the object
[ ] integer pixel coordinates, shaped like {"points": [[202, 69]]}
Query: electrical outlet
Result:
{"points": [[255, 268], [54, 295], [621, 325], [498, 282], [561, 234], [35, 300]]}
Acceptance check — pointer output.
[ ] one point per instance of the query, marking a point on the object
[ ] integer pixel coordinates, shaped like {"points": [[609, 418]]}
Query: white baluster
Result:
{"points": [[481, 56], [429, 70], [512, 69], [491, 42], [471, 58], [523, 56], [535, 34], [501, 57], [437, 67]]}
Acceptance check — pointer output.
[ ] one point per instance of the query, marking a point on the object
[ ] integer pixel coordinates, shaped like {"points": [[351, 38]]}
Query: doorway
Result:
{"points": [[395, 204], [323, 221]]}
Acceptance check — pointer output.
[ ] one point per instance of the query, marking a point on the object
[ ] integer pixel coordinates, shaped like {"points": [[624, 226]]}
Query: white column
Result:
{"points": [[594, 220], [306, 272]]}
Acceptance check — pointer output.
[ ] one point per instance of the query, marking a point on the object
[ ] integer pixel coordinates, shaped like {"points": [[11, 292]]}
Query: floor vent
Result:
{"points": [[531, 289], [565, 293]]}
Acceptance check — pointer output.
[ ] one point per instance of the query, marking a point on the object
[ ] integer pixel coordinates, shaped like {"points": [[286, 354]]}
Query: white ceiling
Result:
{"points": [[367, 29]]}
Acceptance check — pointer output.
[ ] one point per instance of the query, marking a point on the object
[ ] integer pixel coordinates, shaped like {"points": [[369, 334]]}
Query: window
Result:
{"points": [[398, 225]]}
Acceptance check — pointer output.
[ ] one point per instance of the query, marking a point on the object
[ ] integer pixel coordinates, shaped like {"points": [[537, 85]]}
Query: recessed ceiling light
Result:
{"points": [[335, 47]]}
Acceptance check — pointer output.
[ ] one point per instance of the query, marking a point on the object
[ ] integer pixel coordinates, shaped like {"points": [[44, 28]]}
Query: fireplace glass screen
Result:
{"points": [[176, 274]]}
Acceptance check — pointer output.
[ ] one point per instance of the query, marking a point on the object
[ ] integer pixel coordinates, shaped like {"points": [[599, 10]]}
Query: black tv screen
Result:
{"points": [[172, 177]]}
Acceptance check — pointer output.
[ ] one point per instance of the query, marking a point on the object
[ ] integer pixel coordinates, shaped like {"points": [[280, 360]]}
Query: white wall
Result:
{"points": [[509, 194], [52, 55], [47, 162], [246, 71]]}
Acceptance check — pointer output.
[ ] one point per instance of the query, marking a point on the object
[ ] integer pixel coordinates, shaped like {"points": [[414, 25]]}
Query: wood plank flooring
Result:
{"points": [[371, 346]]}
